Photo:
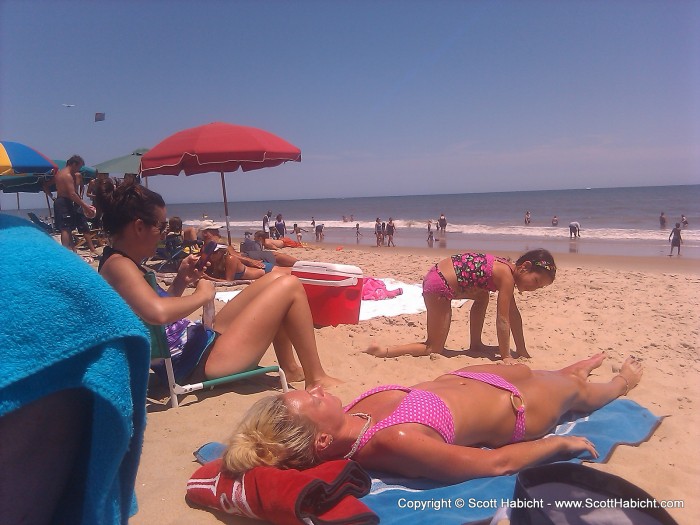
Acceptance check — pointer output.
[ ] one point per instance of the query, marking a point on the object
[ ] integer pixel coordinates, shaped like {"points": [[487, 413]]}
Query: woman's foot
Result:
{"points": [[325, 382], [583, 369], [631, 371]]}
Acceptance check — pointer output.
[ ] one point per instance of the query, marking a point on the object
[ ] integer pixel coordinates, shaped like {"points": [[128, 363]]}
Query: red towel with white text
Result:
{"points": [[324, 495]]}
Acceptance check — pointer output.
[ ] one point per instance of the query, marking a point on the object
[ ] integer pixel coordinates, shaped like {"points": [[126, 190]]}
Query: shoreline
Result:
{"points": [[680, 265]]}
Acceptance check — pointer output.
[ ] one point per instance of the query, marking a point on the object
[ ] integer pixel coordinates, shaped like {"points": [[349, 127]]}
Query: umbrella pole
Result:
{"points": [[228, 226]]}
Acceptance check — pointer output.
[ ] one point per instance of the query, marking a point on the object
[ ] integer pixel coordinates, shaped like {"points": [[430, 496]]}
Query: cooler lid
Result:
{"points": [[326, 268]]}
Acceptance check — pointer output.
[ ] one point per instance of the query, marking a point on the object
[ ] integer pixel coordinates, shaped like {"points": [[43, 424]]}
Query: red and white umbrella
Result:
{"points": [[218, 147]]}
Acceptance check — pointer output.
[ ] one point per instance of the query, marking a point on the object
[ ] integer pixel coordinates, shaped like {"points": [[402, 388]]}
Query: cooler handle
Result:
{"points": [[350, 281]]}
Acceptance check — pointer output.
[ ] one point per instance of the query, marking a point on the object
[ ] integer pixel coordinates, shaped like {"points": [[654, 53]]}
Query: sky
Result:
{"points": [[382, 97]]}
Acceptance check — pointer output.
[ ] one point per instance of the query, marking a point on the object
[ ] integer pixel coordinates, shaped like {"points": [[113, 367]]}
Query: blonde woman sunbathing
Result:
{"points": [[434, 429]]}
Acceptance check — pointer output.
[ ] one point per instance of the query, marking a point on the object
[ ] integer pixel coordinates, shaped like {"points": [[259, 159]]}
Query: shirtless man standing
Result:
{"points": [[68, 203]]}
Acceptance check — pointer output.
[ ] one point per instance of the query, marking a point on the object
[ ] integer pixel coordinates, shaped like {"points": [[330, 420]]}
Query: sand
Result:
{"points": [[646, 307]]}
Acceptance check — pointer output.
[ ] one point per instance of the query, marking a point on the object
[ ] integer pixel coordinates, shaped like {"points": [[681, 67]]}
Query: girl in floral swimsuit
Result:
{"points": [[473, 276]]}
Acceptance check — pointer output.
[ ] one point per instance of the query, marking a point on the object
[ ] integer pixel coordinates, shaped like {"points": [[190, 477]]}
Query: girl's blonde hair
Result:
{"points": [[271, 435]]}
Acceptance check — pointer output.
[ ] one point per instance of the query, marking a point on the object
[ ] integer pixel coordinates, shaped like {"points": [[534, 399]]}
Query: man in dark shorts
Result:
{"points": [[70, 211], [442, 223]]}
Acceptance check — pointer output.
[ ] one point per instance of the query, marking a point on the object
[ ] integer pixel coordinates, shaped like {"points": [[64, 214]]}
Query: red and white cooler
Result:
{"points": [[334, 291]]}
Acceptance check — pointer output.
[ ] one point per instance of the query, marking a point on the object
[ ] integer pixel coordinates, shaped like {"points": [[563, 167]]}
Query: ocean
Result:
{"points": [[614, 221]]}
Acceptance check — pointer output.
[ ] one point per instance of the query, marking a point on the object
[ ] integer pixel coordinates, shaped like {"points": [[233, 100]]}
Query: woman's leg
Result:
{"points": [[549, 395], [251, 323], [285, 356]]}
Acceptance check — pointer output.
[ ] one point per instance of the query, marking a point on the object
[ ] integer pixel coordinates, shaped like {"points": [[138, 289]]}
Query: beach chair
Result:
{"points": [[160, 350], [48, 228]]}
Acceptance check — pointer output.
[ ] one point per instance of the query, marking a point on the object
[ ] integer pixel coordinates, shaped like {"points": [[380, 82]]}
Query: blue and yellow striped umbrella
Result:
{"points": [[17, 158]]}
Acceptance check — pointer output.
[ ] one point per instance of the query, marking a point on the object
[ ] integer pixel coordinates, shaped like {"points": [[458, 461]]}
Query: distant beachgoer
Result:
{"points": [[378, 231], [383, 233], [676, 239], [390, 230], [313, 222], [70, 211], [357, 231], [319, 232], [574, 230], [684, 221], [297, 231], [662, 221], [442, 223], [555, 221], [527, 217], [266, 221], [473, 276], [280, 226], [352, 217]]}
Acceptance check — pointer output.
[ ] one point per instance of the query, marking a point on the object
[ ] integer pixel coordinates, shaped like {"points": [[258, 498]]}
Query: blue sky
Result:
{"points": [[382, 97]]}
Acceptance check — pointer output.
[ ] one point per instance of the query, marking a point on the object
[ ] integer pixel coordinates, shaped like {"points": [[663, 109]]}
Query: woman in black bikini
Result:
{"points": [[274, 309]]}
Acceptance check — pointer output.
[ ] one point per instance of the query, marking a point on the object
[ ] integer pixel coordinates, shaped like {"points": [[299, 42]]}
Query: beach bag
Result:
{"points": [[572, 494]]}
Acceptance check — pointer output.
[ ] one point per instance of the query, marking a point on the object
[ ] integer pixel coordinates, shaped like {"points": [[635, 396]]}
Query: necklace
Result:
{"points": [[362, 433]]}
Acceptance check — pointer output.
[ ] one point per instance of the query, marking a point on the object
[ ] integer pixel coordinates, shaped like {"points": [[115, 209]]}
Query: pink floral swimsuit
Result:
{"points": [[475, 270]]}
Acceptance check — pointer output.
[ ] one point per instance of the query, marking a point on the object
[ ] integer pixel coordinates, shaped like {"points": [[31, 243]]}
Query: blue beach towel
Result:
{"points": [[62, 326], [398, 500]]}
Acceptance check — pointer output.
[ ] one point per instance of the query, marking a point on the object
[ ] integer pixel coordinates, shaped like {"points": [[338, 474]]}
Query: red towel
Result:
{"points": [[325, 494]]}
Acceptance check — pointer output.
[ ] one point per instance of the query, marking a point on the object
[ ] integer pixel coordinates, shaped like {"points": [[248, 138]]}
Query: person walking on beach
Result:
{"points": [[527, 218], [297, 231], [390, 229], [442, 223], [684, 221], [319, 232], [474, 276], [431, 237], [357, 232], [280, 226], [266, 221], [70, 211], [662, 221], [675, 238], [378, 231], [574, 230]]}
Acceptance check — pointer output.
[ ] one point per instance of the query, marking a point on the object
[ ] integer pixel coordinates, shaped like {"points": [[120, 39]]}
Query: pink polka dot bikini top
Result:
{"points": [[419, 406]]}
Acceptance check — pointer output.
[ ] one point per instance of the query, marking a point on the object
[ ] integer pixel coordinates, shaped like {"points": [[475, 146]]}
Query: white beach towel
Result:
{"points": [[409, 302]]}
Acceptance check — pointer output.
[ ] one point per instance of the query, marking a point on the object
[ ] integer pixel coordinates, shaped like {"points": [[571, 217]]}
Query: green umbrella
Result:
{"points": [[126, 164]]}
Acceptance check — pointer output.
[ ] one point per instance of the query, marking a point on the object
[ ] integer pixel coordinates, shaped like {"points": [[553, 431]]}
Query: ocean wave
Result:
{"points": [[545, 232]]}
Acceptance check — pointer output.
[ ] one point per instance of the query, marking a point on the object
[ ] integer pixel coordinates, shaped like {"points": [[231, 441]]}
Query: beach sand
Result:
{"points": [[646, 307]]}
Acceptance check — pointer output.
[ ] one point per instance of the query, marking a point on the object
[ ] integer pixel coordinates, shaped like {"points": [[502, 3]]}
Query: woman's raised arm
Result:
{"points": [[128, 281]]}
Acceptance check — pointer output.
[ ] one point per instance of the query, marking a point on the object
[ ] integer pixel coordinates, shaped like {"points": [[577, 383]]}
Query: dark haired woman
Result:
{"points": [[274, 309], [473, 276]]}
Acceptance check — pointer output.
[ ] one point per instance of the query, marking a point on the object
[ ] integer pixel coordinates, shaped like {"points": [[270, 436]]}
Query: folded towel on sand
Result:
{"points": [[399, 500], [323, 494], [409, 302], [61, 327]]}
